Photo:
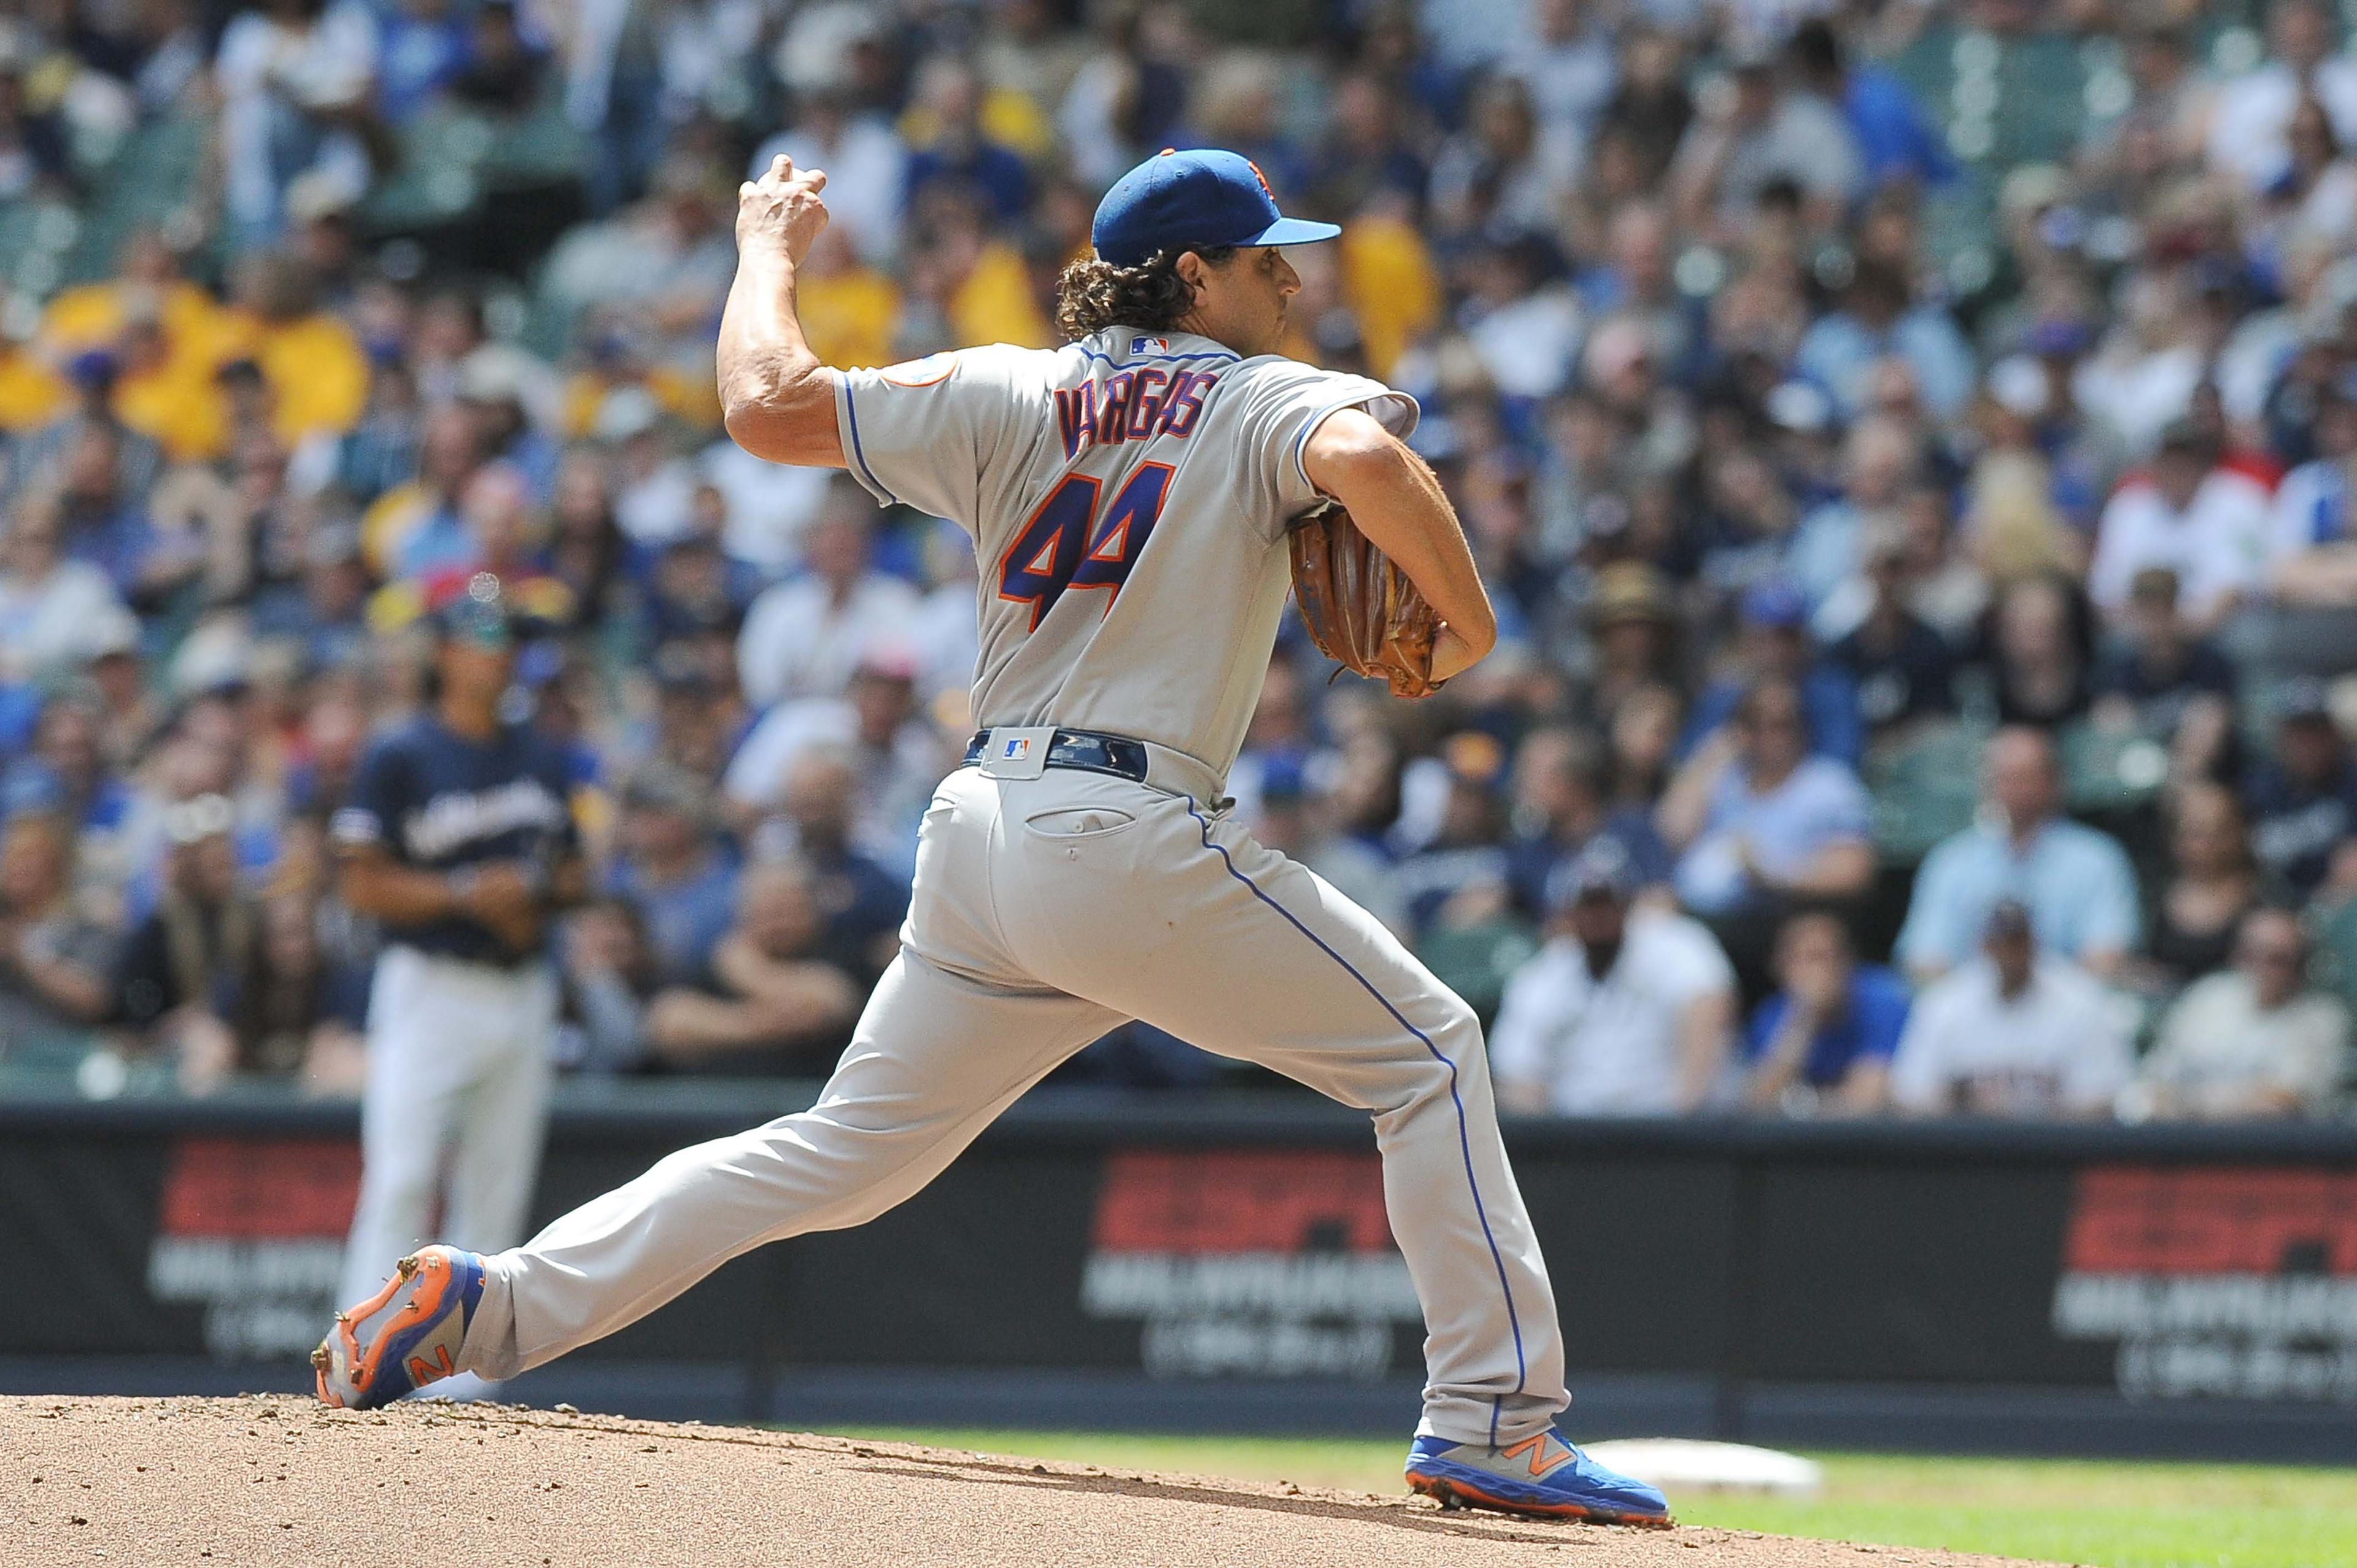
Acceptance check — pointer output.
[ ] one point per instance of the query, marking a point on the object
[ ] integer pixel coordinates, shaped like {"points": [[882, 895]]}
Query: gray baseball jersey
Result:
{"points": [[1127, 496]]}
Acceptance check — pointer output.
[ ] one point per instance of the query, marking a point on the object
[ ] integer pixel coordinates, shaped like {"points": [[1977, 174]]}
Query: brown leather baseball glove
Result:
{"points": [[1361, 609]]}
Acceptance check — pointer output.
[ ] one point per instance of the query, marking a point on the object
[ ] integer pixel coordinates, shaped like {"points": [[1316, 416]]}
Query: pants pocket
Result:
{"points": [[1068, 823]]}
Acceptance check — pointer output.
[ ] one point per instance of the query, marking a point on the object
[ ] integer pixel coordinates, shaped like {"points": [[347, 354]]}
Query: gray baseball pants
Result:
{"points": [[1048, 910]]}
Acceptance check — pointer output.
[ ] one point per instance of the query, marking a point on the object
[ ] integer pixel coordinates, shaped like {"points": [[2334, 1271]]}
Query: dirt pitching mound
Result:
{"points": [[267, 1481]]}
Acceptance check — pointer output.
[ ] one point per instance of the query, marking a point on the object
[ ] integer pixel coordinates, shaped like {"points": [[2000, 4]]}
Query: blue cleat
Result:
{"points": [[1543, 1476], [406, 1336]]}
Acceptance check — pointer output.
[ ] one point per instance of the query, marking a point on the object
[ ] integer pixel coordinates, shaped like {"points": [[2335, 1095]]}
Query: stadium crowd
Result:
{"points": [[1910, 445]]}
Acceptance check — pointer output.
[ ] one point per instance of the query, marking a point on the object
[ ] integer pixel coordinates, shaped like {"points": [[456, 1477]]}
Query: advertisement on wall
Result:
{"points": [[2215, 1281], [252, 1232], [1250, 1263]]}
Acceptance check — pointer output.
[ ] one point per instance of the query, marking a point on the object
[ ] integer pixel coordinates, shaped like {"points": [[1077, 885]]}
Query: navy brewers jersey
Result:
{"points": [[437, 801]]}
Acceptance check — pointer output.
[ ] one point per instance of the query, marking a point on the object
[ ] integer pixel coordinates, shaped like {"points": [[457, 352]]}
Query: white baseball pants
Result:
{"points": [[1047, 911], [454, 1109]]}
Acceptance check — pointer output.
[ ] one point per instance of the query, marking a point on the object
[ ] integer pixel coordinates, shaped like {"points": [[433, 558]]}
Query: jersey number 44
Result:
{"points": [[1067, 543]]}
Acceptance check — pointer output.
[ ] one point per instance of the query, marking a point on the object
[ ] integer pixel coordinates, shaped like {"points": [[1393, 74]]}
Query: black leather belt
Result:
{"points": [[1084, 749]]}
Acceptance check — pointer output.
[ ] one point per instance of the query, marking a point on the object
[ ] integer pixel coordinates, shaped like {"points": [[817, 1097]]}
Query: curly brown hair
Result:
{"points": [[1093, 294]]}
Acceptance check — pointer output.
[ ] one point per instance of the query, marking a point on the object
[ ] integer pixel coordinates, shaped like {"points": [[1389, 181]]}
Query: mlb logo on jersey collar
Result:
{"points": [[1149, 345]]}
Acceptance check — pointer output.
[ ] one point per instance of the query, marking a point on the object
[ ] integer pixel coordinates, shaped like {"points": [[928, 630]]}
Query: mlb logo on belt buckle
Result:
{"points": [[1018, 753]]}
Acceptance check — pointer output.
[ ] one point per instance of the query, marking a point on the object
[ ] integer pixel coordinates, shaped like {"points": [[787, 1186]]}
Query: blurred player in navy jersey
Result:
{"points": [[459, 839]]}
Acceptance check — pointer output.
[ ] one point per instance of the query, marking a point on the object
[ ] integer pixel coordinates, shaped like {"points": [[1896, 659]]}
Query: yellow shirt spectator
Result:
{"points": [[185, 413], [995, 304], [31, 394], [94, 315], [318, 373], [848, 316], [1389, 281], [1012, 119]]}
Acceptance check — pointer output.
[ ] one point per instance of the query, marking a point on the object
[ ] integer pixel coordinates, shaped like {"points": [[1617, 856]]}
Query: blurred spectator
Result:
{"points": [[1460, 904], [804, 637], [2040, 640], [587, 551], [2016, 1032], [67, 771], [1756, 820], [1822, 1042], [859, 902], [1875, 323], [2312, 542], [961, 153], [2075, 883], [671, 871], [607, 976], [1877, 463], [866, 163], [1893, 136], [1904, 670], [52, 608], [772, 1001], [414, 528], [2205, 522], [426, 47], [1302, 824], [698, 720], [2253, 1040], [2211, 883], [898, 754], [2158, 677], [2302, 794], [1624, 1011], [293, 1012], [290, 75], [1562, 803], [1465, 849], [1775, 647], [1764, 132], [2254, 112], [656, 272], [54, 963], [1634, 627], [695, 588], [1497, 174], [40, 459], [102, 523], [176, 977], [314, 366]]}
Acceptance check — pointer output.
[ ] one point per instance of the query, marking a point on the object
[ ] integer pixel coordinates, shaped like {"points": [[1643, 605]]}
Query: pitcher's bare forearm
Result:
{"points": [[1397, 502], [776, 398]]}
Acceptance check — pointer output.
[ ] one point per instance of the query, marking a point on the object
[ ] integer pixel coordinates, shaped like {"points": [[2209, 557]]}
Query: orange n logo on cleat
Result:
{"points": [[421, 1372], [1542, 1457]]}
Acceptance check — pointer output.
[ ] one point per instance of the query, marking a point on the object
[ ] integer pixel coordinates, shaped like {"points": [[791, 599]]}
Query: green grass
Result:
{"points": [[2101, 1514]]}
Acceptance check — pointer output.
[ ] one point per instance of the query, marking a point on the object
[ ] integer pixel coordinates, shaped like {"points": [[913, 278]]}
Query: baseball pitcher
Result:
{"points": [[1135, 499]]}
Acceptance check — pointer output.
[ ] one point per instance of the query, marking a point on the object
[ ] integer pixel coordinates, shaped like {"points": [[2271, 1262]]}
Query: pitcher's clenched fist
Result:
{"points": [[781, 209]]}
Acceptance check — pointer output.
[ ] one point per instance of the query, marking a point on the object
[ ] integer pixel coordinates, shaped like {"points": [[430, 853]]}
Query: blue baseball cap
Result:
{"points": [[1191, 202]]}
